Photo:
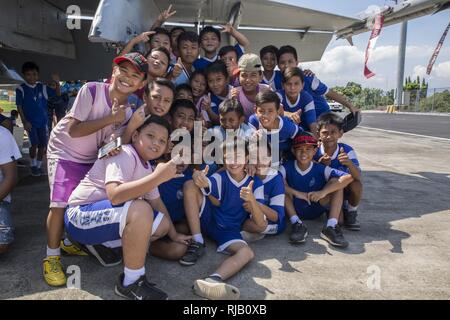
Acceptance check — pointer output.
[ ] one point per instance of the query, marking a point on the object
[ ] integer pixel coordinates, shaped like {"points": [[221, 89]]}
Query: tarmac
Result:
{"points": [[401, 251]]}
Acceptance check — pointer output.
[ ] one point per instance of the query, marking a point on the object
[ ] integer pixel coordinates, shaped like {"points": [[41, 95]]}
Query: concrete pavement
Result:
{"points": [[402, 246]]}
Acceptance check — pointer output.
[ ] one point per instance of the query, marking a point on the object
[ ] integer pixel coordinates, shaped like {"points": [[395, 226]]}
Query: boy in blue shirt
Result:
{"points": [[310, 188], [232, 118], [188, 47], [239, 195], [269, 123], [287, 57], [274, 197], [271, 77], [31, 100], [298, 104], [342, 157], [210, 39], [217, 79]]}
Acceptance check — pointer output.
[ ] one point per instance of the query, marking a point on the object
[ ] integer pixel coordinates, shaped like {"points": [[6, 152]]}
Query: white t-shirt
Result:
{"points": [[9, 152]]}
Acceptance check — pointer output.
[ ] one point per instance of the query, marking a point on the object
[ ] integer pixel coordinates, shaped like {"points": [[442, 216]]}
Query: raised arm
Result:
{"points": [[240, 38]]}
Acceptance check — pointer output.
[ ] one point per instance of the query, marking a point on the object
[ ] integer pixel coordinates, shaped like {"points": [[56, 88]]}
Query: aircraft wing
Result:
{"points": [[36, 30]]}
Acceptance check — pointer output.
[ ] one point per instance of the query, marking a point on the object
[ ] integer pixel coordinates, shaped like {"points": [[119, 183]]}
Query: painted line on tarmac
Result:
{"points": [[405, 133]]}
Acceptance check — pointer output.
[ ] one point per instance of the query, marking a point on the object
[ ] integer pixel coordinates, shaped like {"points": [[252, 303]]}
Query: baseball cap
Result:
{"points": [[304, 138], [136, 59], [250, 62]]}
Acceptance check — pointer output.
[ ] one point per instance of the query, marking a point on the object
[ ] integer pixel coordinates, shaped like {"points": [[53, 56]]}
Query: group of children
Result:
{"points": [[141, 200]]}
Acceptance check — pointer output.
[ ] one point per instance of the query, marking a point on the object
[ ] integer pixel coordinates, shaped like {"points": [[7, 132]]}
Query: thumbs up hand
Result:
{"points": [[343, 157], [325, 160], [295, 116], [177, 69], [200, 178], [246, 193]]}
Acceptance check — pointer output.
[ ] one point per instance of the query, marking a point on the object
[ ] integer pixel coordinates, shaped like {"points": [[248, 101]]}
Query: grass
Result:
{"points": [[7, 106]]}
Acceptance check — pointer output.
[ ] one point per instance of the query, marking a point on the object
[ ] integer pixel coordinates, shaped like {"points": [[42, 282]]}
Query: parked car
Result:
{"points": [[336, 106]]}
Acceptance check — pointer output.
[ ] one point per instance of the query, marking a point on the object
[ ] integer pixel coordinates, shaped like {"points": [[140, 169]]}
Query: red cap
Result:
{"points": [[136, 59], [302, 139]]}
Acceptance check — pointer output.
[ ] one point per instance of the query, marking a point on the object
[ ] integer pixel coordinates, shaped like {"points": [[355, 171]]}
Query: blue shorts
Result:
{"points": [[100, 222], [38, 137], [6, 227], [309, 212], [223, 237]]}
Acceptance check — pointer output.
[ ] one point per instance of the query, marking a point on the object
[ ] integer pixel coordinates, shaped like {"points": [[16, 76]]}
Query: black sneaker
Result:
{"points": [[140, 290], [334, 236], [299, 233], [107, 257], [350, 221], [194, 251]]}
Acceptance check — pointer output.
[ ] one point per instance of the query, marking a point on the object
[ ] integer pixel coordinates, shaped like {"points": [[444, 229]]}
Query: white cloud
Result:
{"points": [[442, 70], [341, 64]]}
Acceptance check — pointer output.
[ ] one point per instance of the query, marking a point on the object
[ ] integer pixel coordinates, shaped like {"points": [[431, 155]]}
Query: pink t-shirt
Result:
{"points": [[92, 103], [247, 104], [125, 167]]}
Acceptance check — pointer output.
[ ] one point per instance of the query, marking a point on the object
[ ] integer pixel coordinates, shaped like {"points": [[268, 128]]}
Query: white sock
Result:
{"points": [[67, 242], [217, 276], [53, 252], [351, 208], [131, 276], [332, 222], [113, 244], [39, 164], [295, 219], [34, 162], [198, 238]]}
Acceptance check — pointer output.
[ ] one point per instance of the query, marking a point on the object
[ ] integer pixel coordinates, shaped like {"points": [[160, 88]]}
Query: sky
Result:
{"points": [[342, 63]]}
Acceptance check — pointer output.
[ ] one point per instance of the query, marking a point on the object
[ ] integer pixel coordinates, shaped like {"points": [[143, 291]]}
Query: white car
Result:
{"points": [[336, 106]]}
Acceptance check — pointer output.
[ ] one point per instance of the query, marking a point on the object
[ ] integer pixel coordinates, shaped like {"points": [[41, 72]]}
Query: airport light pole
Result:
{"points": [[401, 63]]}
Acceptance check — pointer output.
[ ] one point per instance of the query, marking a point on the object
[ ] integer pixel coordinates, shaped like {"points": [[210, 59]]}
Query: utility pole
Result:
{"points": [[401, 63]]}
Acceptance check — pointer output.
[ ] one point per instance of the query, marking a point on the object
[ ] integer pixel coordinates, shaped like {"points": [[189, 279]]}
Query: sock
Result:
{"points": [[113, 244], [332, 222], [345, 204], [67, 242], [39, 164], [198, 238], [53, 252], [34, 162], [216, 275], [131, 276], [352, 208], [295, 219]]}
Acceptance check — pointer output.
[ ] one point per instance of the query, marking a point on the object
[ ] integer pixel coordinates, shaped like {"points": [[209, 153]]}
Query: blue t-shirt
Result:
{"points": [[335, 164], [230, 215], [275, 82], [203, 62], [217, 100], [245, 132], [305, 102], [33, 100], [274, 195], [317, 90], [286, 131], [172, 195], [312, 179]]}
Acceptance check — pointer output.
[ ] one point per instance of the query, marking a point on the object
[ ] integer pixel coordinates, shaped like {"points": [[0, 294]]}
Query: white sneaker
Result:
{"points": [[252, 237]]}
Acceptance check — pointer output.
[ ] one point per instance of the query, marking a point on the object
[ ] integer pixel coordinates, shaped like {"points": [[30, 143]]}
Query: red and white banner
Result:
{"points": [[376, 30], [436, 51]]}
